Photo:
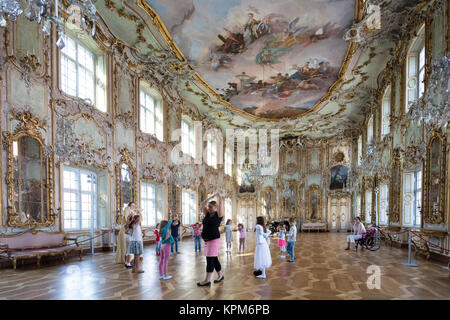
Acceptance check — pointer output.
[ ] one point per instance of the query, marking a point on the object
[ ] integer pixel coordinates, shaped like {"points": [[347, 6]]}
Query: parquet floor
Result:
{"points": [[323, 270]]}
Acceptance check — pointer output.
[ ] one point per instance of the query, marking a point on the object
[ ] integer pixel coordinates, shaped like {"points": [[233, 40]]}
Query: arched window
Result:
{"points": [[370, 129], [415, 69], [384, 203], [412, 198], [151, 111], [386, 112]]}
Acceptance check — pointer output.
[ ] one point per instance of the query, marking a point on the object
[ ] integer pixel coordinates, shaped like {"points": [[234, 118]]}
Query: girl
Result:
{"points": [[197, 233], [282, 240], [136, 243], [242, 235], [213, 214], [263, 259], [166, 243], [229, 234], [158, 241]]}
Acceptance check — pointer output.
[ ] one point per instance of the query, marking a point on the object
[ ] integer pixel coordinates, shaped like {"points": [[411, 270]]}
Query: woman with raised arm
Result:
{"points": [[212, 217]]}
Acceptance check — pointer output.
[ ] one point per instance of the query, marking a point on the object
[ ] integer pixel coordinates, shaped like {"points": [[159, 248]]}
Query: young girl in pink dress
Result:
{"points": [[282, 240], [242, 236]]}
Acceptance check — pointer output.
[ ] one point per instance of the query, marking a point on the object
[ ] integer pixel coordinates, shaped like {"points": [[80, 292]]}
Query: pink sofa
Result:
{"points": [[36, 244]]}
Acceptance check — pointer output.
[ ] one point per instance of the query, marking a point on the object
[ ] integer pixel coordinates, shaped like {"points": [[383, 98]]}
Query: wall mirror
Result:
{"points": [[314, 198], [268, 203], [126, 182], [435, 180], [29, 176]]}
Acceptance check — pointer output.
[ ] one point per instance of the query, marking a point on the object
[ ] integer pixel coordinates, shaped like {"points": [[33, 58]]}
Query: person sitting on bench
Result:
{"points": [[358, 231]]}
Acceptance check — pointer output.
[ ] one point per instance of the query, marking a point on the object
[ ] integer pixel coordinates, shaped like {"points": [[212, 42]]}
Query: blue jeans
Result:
{"points": [[158, 247], [198, 243], [175, 242], [290, 249]]}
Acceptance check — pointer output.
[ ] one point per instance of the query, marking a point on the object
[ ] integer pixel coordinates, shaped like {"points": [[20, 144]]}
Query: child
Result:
{"points": [[158, 241], [175, 227], [229, 234], [263, 259], [268, 233], [292, 236], [197, 234], [282, 240], [166, 243], [242, 235], [136, 247]]}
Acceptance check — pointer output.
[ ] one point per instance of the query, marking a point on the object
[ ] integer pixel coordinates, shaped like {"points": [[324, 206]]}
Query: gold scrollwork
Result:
{"points": [[29, 126], [314, 203], [434, 184], [126, 157], [395, 187]]}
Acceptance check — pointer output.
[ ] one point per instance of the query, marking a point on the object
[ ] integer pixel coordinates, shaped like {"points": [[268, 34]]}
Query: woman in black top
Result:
{"points": [[213, 214]]}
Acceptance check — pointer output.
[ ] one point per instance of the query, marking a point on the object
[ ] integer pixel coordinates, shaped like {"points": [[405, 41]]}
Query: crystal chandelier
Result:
{"points": [[39, 11], [262, 170], [434, 108], [371, 162]]}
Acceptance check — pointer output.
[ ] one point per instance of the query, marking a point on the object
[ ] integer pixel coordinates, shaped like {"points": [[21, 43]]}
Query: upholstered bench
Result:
{"points": [[36, 244], [314, 226]]}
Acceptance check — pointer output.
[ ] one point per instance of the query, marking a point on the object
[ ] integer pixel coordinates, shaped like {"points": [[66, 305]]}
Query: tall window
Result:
{"points": [[386, 112], [359, 150], [189, 206], [228, 167], [151, 203], [370, 129], [384, 203], [358, 205], [211, 150], [187, 137], [83, 73], [228, 209], [80, 199], [151, 113], [412, 197], [415, 69], [368, 206]]}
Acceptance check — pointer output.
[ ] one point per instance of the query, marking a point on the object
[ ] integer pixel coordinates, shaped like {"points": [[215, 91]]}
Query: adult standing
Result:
{"points": [[124, 237], [175, 231], [213, 214]]}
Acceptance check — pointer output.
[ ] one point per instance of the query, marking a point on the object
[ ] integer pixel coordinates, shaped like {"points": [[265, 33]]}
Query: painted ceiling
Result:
{"points": [[272, 59], [187, 32]]}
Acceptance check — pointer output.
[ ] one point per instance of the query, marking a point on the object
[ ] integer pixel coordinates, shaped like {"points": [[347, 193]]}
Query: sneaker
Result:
{"points": [[261, 276], [290, 260], [282, 256], [161, 277], [166, 277]]}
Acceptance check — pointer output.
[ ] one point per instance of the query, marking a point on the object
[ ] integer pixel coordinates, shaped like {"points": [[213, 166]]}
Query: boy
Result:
{"points": [[291, 237]]}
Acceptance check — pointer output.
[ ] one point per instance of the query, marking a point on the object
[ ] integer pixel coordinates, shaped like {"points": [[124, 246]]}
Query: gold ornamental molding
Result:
{"points": [[159, 24]]}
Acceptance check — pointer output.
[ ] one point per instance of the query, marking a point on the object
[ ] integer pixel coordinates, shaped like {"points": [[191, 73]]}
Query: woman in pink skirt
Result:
{"points": [[213, 215]]}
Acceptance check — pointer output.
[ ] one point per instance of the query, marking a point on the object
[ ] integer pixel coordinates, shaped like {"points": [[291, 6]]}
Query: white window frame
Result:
{"points": [[98, 73], [151, 203], [412, 198], [228, 167], [415, 69], [188, 137], [78, 210], [368, 206], [386, 112], [211, 150], [189, 206], [151, 113], [384, 203], [228, 209], [370, 136], [359, 150]]}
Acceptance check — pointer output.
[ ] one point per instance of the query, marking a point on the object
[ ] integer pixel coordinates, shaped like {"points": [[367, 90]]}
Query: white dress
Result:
{"points": [[263, 258]]}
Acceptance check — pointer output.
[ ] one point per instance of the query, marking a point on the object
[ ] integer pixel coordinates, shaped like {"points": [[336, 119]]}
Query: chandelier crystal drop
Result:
{"points": [[40, 11]]}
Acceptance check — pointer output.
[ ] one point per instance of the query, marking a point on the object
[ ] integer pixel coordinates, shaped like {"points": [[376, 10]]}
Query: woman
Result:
{"points": [[213, 215], [263, 259], [359, 230], [124, 237]]}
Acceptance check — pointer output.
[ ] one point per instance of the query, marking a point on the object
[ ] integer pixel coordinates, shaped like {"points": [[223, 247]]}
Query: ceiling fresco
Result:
{"points": [[272, 59]]}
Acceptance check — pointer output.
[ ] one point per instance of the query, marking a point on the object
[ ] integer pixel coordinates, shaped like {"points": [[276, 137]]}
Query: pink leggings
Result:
{"points": [[164, 259]]}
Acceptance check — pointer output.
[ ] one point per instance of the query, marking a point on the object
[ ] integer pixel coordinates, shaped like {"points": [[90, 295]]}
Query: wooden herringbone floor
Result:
{"points": [[323, 270]]}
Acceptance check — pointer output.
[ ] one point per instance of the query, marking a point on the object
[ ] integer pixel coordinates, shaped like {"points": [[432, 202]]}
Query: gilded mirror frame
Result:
{"points": [[126, 157], [269, 190], [428, 216], [314, 188], [29, 126]]}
